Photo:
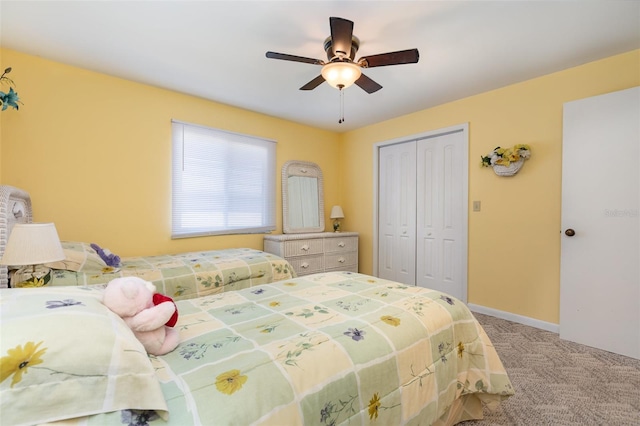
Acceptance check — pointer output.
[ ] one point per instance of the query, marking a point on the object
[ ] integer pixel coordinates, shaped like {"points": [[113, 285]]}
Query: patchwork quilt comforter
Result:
{"points": [[324, 349], [180, 276]]}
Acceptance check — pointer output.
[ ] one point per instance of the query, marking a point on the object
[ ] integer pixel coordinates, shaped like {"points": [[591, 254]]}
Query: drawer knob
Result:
{"points": [[340, 244], [304, 248], [305, 265], [341, 260]]}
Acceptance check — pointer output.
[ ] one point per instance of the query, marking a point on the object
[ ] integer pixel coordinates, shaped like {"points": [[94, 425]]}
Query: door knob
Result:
{"points": [[570, 232]]}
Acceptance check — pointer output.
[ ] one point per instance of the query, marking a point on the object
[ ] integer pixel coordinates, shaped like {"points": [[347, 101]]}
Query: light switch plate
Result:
{"points": [[476, 206]]}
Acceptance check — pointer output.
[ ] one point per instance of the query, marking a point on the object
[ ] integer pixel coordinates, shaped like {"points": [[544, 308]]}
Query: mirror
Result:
{"points": [[302, 198]]}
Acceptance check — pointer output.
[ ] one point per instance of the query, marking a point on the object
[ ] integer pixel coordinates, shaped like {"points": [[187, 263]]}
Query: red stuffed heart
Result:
{"points": [[158, 299]]}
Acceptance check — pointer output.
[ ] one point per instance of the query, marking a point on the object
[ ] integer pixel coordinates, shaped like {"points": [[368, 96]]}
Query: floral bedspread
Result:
{"points": [[180, 276], [324, 349]]}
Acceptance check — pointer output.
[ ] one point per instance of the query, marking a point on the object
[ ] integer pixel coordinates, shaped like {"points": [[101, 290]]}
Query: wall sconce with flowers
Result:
{"points": [[10, 98], [507, 161]]}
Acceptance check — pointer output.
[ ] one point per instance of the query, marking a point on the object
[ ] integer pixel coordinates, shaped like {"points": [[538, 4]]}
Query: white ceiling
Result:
{"points": [[216, 49]]}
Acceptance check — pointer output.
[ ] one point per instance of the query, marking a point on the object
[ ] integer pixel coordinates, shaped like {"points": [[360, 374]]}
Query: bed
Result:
{"points": [[180, 276], [330, 348], [325, 349]]}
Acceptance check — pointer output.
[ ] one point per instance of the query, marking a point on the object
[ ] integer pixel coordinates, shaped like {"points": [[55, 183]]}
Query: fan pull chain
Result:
{"points": [[341, 120]]}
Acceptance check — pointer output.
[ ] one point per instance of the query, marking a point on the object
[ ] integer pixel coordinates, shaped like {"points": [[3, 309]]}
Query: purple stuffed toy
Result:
{"points": [[109, 258]]}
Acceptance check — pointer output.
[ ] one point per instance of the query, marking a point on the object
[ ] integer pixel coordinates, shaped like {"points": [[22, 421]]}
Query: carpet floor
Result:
{"points": [[558, 382]]}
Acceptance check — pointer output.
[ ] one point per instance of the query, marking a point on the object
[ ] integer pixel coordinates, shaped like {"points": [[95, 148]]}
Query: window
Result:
{"points": [[223, 183]]}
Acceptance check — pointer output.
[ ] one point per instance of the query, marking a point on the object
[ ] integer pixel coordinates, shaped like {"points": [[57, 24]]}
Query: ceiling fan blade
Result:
{"points": [[410, 56], [313, 83], [341, 35], [293, 58], [368, 85]]}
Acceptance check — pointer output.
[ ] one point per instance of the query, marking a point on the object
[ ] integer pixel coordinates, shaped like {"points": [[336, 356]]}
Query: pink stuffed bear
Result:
{"points": [[132, 299]]}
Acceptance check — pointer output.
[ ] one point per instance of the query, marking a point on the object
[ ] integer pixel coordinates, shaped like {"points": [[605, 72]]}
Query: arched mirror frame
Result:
{"points": [[305, 169]]}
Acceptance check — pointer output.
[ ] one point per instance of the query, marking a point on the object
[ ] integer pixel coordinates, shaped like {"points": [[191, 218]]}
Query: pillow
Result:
{"points": [[66, 355], [73, 261], [78, 256]]}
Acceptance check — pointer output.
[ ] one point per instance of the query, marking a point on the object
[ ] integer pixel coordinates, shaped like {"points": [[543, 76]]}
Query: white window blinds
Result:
{"points": [[223, 183]]}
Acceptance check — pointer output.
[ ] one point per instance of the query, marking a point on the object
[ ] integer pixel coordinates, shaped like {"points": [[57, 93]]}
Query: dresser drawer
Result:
{"points": [[333, 245], [305, 265], [341, 260], [352, 268], [302, 247]]}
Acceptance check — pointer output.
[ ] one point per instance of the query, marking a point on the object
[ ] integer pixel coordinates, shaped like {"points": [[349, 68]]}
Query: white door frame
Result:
{"points": [[464, 128]]}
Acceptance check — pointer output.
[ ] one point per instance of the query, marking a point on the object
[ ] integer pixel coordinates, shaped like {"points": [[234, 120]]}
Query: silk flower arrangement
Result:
{"points": [[10, 98], [507, 161]]}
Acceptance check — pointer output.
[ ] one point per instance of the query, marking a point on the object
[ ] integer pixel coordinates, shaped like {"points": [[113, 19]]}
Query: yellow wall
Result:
{"points": [[94, 152], [514, 241]]}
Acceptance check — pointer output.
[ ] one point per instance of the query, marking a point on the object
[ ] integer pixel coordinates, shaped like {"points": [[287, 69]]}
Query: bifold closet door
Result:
{"points": [[422, 201], [397, 212], [440, 233]]}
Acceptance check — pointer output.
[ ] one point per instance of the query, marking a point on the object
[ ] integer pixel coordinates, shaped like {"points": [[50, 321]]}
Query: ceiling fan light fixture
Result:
{"points": [[341, 74]]}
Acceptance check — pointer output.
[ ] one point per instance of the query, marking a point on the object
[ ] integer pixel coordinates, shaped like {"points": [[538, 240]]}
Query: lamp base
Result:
{"points": [[30, 276], [336, 226]]}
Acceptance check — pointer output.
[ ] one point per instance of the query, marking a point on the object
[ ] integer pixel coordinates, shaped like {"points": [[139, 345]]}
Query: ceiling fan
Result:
{"points": [[341, 71]]}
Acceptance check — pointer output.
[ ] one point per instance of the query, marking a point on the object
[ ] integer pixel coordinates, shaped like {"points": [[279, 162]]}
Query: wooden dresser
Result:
{"points": [[317, 252]]}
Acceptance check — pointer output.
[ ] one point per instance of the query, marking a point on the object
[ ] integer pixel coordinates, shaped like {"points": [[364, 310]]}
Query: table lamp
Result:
{"points": [[336, 214], [29, 245]]}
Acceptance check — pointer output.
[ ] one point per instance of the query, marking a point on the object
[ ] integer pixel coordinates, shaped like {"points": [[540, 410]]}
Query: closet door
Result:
{"points": [[397, 212], [441, 203]]}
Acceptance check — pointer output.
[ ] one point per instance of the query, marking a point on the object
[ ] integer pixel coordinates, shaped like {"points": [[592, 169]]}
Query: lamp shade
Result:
{"points": [[33, 244], [341, 74], [337, 213]]}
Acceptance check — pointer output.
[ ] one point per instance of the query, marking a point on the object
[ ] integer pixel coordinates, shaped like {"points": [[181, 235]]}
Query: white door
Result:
{"points": [[397, 212], [441, 224], [600, 272], [422, 194]]}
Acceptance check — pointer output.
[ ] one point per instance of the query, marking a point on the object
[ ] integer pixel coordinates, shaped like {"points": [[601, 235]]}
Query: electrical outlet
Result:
{"points": [[476, 206]]}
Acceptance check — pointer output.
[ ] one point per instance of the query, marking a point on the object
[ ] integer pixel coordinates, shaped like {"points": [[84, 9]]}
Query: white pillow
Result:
{"points": [[66, 355]]}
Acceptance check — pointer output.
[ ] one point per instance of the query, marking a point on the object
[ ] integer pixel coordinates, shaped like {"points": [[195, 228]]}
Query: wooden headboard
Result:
{"points": [[15, 207]]}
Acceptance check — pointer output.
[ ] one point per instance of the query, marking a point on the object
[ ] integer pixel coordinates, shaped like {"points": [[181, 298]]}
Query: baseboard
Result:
{"points": [[532, 322]]}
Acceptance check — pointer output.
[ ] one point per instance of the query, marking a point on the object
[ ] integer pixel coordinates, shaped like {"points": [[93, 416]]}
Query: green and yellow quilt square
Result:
{"points": [[268, 328]]}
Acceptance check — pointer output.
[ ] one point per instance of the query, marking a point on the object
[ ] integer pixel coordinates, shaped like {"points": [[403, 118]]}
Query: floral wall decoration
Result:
{"points": [[10, 98], [507, 161]]}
